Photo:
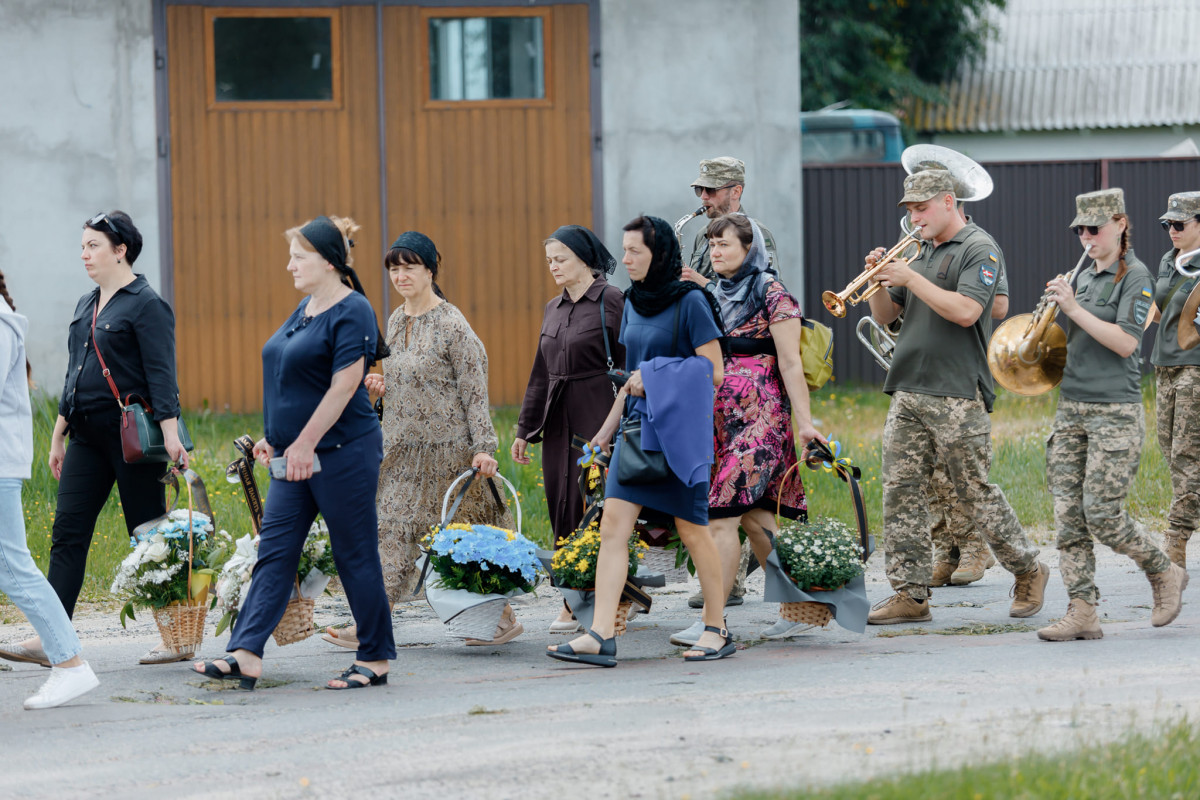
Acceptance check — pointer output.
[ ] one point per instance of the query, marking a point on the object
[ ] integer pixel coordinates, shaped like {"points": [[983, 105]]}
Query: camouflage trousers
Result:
{"points": [[953, 532], [920, 431], [1091, 459], [1179, 439]]}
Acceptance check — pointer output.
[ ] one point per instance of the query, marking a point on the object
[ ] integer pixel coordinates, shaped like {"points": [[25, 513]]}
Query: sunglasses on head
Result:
{"points": [[1167, 224], [1092, 229], [700, 190], [102, 217]]}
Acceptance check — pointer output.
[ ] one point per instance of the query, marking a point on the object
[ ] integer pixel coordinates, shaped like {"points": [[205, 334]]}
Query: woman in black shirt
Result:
{"points": [[135, 333]]}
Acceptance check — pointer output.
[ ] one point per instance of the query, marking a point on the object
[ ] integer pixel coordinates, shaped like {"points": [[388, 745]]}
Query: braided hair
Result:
{"points": [[1126, 238], [8, 299]]}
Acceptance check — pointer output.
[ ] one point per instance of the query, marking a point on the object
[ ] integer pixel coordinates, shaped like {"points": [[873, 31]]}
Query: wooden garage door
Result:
{"points": [[247, 165], [489, 179], [488, 159]]}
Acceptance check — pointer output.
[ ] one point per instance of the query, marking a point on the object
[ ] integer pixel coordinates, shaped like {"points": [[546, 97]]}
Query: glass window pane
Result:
{"points": [[272, 58], [486, 58]]}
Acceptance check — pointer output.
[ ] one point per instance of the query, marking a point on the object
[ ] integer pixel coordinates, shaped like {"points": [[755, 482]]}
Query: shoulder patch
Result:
{"points": [[1146, 293], [987, 272], [992, 256], [1141, 309]]}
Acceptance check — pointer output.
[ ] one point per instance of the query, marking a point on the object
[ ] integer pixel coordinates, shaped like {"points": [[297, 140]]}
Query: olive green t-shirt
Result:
{"points": [[933, 355], [1167, 352], [1095, 374]]}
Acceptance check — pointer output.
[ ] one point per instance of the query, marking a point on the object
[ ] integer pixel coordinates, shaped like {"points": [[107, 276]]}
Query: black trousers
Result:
{"points": [[92, 464], [344, 493]]}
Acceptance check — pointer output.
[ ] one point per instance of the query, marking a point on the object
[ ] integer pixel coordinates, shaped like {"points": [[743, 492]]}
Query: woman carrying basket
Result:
{"points": [[435, 423], [667, 323], [316, 411], [764, 386]]}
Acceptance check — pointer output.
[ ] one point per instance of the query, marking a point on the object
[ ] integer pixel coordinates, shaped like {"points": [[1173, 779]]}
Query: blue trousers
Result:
{"points": [[344, 493], [25, 585]]}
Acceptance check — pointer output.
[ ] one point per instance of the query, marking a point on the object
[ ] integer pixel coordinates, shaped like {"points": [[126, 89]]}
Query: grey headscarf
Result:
{"points": [[743, 295]]}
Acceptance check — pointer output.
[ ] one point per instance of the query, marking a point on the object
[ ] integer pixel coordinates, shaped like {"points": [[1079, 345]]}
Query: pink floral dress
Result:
{"points": [[753, 443]]}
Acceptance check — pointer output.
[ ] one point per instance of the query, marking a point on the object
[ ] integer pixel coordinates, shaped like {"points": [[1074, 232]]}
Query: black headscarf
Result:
{"points": [[327, 239], [423, 248], [663, 284], [587, 246]]}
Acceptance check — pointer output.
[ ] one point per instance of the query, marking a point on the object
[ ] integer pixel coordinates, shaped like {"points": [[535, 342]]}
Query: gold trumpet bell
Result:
{"points": [[1027, 374]]}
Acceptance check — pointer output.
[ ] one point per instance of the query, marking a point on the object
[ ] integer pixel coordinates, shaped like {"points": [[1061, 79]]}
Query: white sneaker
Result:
{"points": [[785, 629], [63, 686], [690, 635]]}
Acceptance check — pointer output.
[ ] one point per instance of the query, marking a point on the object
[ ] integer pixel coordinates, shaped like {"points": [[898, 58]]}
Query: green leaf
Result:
{"points": [[127, 613]]}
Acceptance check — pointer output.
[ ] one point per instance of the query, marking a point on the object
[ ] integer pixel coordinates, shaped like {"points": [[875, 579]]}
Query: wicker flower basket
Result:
{"points": [[296, 625], [181, 627], [808, 613], [477, 622], [622, 615], [660, 559]]}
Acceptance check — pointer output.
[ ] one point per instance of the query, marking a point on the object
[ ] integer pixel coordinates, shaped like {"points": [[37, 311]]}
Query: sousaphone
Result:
{"points": [[971, 181]]}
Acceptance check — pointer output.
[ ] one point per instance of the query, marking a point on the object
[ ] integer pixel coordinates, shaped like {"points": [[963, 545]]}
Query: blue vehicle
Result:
{"points": [[849, 136]]}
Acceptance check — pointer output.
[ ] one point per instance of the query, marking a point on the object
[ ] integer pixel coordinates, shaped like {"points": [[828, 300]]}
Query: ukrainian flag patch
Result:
{"points": [[992, 256], [1146, 293]]}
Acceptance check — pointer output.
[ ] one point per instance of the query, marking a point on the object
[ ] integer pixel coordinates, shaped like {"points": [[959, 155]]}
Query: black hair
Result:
{"points": [[402, 255], [119, 229]]}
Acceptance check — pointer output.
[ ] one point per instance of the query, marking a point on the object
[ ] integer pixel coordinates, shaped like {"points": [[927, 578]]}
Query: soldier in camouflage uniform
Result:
{"points": [[1177, 372], [1093, 450], [941, 392], [719, 187]]}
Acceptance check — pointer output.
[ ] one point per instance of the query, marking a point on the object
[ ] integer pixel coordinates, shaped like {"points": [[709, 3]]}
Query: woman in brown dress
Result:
{"points": [[569, 391], [435, 423]]}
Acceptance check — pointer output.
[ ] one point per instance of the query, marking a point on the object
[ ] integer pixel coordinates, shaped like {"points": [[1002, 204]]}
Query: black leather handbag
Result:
{"points": [[636, 467]]}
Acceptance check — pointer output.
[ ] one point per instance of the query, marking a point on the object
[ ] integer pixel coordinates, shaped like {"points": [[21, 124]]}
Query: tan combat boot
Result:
{"points": [[1079, 622], [1175, 544], [942, 570], [1029, 591], [1168, 587], [974, 563], [897, 609]]}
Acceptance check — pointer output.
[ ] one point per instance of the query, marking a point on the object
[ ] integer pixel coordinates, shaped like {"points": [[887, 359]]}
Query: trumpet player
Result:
{"points": [[941, 392], [1093, 450], [1177, 373]]}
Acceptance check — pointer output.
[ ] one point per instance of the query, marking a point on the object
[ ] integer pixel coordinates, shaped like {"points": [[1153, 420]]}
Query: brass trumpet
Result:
{"points": [[1028, 352], [907, 248]]}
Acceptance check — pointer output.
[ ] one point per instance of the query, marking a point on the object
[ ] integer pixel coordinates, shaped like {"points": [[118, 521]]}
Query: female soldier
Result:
{"points": [[1093, 451], [1177, 372]]}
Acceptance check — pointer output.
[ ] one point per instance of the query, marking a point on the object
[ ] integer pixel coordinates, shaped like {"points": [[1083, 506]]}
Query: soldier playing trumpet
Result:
{"points": [[941, 393]]}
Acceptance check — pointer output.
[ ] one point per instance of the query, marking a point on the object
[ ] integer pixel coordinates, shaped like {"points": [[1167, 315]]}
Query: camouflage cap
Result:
{"points": [[1098, 208], [718, 172], [1182, 207], [923, 185]]}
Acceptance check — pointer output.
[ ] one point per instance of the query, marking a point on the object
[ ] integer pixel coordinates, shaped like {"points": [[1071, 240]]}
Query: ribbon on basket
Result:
{"points": [[241, 470], [823, 457]]}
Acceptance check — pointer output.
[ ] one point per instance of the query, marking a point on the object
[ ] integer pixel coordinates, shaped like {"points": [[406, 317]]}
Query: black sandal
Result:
{"points": [[355, 669], [607, 657], [710, 654], [235, 673]]}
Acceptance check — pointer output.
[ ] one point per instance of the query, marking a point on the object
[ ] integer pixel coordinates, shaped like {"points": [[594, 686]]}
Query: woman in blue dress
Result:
{"points": [[665, 320]]}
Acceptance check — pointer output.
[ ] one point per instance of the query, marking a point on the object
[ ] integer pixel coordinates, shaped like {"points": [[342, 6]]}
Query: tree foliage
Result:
{"points": [[882, 53]]}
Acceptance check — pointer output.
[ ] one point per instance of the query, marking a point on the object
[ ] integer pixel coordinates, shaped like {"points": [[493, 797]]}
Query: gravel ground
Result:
{"points": [[506, 722]]}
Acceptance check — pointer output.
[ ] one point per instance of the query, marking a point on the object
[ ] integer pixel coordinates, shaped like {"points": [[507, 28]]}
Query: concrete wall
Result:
{"points": [[1055, 145], [77, 136], [692, 79]]}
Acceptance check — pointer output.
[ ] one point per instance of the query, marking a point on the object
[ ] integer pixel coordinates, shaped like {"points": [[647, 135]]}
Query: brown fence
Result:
{"points": [[850, 209]]}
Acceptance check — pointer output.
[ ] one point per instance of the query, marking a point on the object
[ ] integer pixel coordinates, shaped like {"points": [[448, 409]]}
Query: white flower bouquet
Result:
{"points": [[819, 555], [313, 574], [155, 574]]}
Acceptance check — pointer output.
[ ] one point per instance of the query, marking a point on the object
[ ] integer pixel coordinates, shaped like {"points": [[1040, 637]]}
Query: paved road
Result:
{"points": [[507, 722]]}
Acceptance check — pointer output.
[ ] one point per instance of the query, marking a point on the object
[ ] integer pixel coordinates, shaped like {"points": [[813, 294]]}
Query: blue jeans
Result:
{"points": [[24, 583]]}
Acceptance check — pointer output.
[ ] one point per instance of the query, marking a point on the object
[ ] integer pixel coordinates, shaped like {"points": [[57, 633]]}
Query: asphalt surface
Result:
{"points": [[507, 722]]}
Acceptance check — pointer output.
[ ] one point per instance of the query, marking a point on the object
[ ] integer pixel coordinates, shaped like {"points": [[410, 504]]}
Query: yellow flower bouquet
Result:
{"points": [[574, 563]]}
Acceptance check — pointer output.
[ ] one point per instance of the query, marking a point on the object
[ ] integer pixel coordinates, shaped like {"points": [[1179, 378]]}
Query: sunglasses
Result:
{"points": [[1092, 229], [1167, 224], [700, 190], [103, 217]]}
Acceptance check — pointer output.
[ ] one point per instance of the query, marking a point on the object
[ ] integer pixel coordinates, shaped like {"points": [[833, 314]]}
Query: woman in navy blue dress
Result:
{"points": [[315, 404], [660, 311]]}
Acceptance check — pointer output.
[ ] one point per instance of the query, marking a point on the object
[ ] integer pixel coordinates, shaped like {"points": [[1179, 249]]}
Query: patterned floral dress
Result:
{"points": [[435, 419], [753, 443]]}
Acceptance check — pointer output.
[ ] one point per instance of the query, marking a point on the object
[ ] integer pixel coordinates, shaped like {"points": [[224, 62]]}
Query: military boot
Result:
{"points": [[974, 563], [1168, 587], [942, 570], [1175, 544], [897, 609], [1029, 591], [1080, 622]]}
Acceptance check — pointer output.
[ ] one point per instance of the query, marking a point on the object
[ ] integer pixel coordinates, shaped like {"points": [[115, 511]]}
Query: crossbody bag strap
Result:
{"points": [[103, 367], [604, 335], [1171, 294]]}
